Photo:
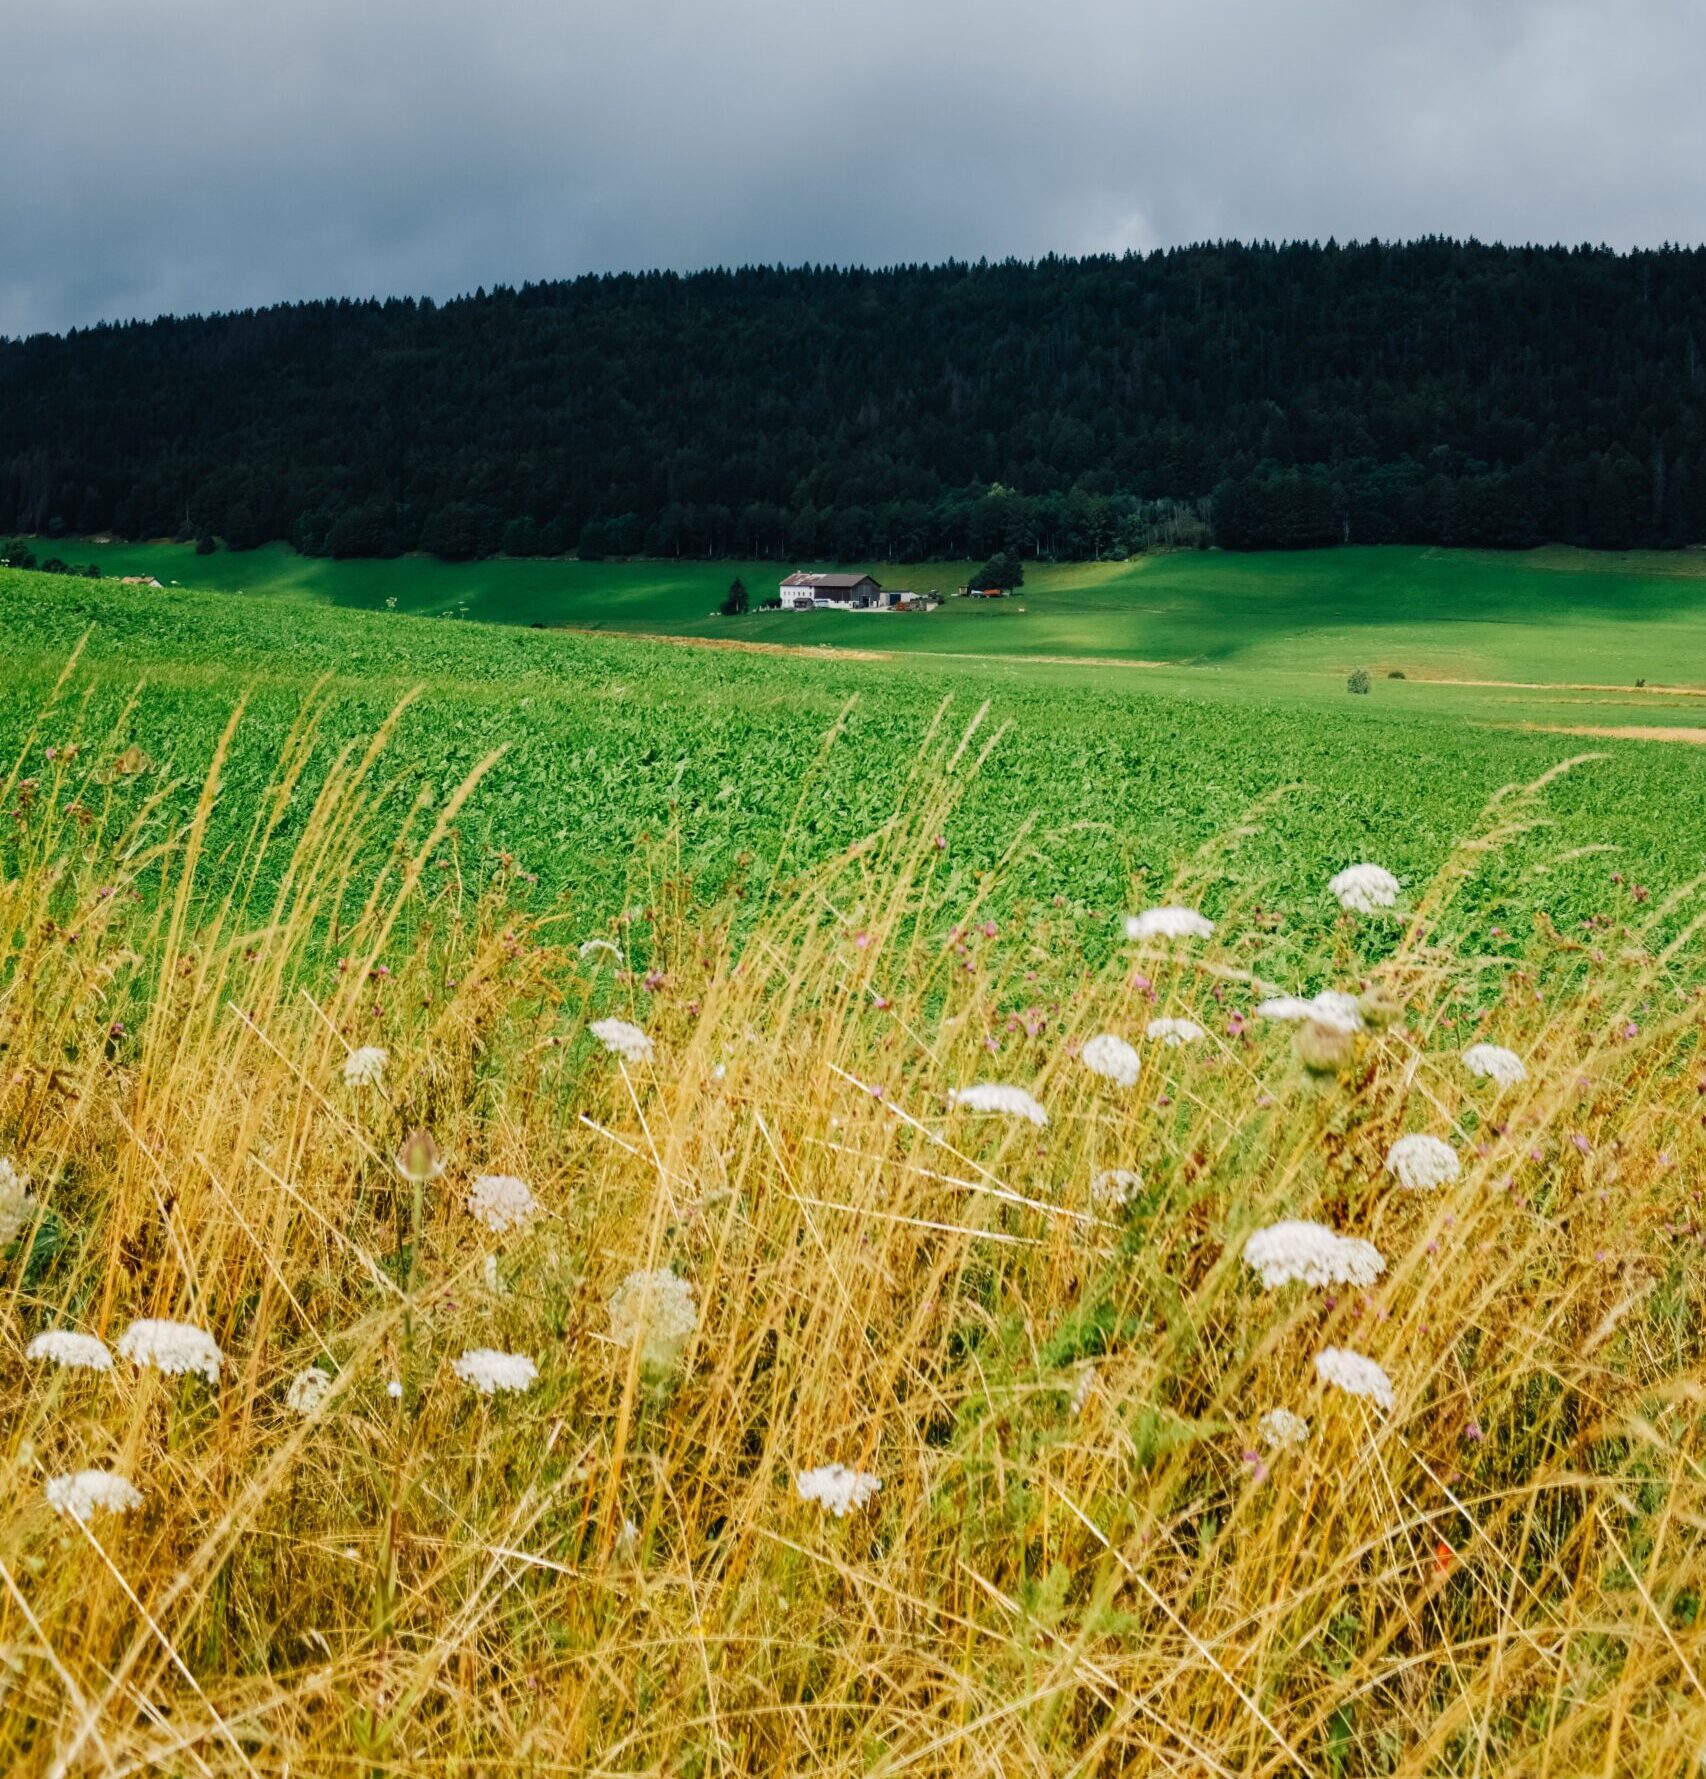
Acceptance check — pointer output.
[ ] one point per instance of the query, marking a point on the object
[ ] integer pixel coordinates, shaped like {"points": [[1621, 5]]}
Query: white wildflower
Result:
{"points": [[837, 1489], [1173, 1032], [17, 1208], [1337, 1011], [1113, 1059], [1492, 1062], [502, 1202], [591, 947], [1364, 888], [394, 1389], [172, 1347], [1116, 1186], [366, 1067], [1311, 1254], [77, 1352], [1280, 1427], [1168, 923], [1292, 1007], [1355, 1374], [627, 1538], [992, 1096], [622, 1039], [86, 1492], [1419, 1163], [308, 1389], [487, 1370], [657, 1311]]}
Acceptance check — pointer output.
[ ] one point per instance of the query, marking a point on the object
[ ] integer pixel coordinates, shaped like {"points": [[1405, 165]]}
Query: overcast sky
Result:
{"points": [[187, 155]]}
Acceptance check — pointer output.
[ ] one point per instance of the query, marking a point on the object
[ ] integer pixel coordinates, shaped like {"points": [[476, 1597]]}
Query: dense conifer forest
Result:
{"points": [[1260, 396]]}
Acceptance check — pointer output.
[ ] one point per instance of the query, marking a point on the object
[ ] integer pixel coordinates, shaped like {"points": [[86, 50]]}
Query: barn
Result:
{"points": [[803, 591]]}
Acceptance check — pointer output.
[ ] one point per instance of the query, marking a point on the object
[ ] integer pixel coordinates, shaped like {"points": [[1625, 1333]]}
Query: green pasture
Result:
{"points": [[1298, 620]]}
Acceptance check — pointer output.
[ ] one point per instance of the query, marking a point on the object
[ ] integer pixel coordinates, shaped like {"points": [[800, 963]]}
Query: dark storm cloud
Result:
{"points": [[190, 156]]}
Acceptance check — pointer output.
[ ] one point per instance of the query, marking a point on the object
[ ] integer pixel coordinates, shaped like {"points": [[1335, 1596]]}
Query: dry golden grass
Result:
{"points": [[1081, 1559]]}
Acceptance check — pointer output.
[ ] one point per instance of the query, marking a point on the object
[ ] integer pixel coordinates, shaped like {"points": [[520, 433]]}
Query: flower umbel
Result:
{"points": [[502, 1202], [87, 1492], [308, 1389], [1113, 1059], [1492, 1062], [993, 1096], [1355, 1374], [837, 1489], [1168, 923], [656, 1311], [1361, 889], [1173, 1032], [622, 1039], [75, 1352], [366, 1067], [1419, 1162], [1280, 1427], [172, 1347], [1311, 1254], [488, 1371]]}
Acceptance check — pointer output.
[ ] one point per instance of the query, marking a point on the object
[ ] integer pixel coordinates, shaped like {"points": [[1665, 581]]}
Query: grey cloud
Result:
{"points": [[193, 156]]}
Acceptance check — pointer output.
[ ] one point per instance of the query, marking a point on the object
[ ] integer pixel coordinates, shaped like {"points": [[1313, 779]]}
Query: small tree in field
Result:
{"points": [[1001, 570], [1359, 682], [735, 600]]}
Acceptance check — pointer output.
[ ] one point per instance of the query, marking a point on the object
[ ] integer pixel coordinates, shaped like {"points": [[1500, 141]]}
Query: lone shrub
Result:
{"points": [[1359, 682]]}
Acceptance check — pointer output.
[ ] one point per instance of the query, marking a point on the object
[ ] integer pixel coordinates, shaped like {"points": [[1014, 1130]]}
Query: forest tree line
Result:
{"points": [[1255, 396]]}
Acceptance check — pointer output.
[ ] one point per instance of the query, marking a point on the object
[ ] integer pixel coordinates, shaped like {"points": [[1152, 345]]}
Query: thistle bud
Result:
{"points": [[1379, 1007], [1322, 1050], [418, 1161]]}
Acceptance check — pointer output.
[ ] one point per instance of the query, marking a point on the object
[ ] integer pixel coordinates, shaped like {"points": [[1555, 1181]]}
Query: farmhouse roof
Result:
{"points": [[802, 579]]}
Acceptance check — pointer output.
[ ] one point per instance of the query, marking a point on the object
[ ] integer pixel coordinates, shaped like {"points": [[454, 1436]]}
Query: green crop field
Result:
{"points": [[1106, 777], [1298, 620]]}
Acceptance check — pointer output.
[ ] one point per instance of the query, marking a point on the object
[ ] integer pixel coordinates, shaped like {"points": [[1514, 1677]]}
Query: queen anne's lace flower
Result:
{"points": [[1492, 1062], [1364, 888], [308, 1389], [1173, 1032], [1168, 923], [1280, 1427], [1113, 1059], [365, 1067], [1419, 1162], [17, 1208], [76, 1352], [622, 1039], [86, 1492], [487, 1370], [992, 1096], [657, 1311], [1116, 1186], [837, 1489], [1311, 1254], [502, 1202], [592, 947], [1355, 1374], [1336, 1011], [172, 1347]]}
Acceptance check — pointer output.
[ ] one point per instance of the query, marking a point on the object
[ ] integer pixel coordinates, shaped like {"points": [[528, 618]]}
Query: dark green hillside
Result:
{"points": [[1434, 392]]}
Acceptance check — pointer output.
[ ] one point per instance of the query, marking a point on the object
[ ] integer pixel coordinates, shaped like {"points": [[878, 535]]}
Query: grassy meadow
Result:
{"points": [[515, 1348]]}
